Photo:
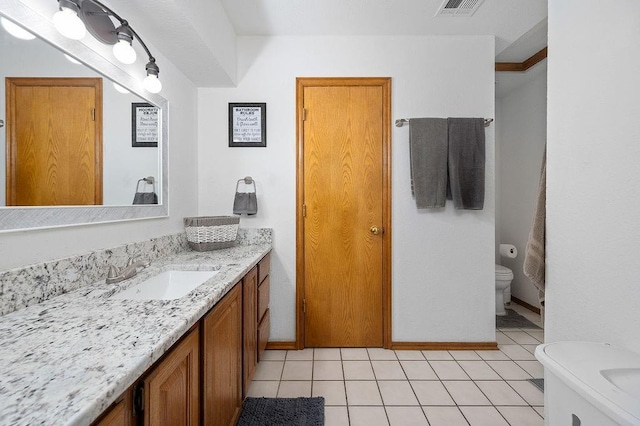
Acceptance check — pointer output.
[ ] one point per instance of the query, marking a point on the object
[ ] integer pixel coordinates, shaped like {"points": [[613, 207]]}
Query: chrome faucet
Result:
{"points": [[116, 275]]}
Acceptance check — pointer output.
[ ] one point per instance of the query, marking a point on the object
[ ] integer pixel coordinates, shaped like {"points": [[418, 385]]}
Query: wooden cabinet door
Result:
{"points": [[249, 326], [120, 414], [172, 389], [222, 360]]}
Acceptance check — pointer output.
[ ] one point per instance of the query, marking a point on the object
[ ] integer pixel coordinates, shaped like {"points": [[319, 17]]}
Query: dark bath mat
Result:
{"points": [[513, 320], [539, 383], [282, 411]]}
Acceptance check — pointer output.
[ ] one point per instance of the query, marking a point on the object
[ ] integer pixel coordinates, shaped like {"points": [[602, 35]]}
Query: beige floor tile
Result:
{"points": [[528, 391], [388, 370], [466, 393], [521, 416], [380, 354], [294, 389], [540, 411], [532, 367], [479, 370], [269, 370], [368, 416], [358, 370], [265, 388], [493, 355], [520, 337], [297, 370], [332, 391], [516, 352], [336, 416], [303, 355], [410, 355], [465, 355], [437, 355], [530, 348], [536, 334], [500, 393], [326, 354], [418, 370], [449, 370], [406, 416], [483, 416], [444, 416], [273, 355], [502, 339], [354, 354], [509, 370], [431, 392], [363, 393], [397, 392], [327, 370]]}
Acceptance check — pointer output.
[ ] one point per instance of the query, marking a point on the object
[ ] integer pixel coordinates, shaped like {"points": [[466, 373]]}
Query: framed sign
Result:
{"points": [[248, 124], [144, 125]]}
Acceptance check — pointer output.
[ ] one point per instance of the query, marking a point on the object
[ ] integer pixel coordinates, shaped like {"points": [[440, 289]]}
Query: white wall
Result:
{"points": [[593, 172], [522, 127], [443, 273], [21, 248]]}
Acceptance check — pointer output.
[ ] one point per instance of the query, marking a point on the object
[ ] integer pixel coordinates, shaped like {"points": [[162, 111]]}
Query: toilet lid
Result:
{"points": [[503, 271]]}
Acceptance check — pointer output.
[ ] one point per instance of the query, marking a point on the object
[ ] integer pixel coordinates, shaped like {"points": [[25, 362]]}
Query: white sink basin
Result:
{"points": [[627, 379], [167, 285]]}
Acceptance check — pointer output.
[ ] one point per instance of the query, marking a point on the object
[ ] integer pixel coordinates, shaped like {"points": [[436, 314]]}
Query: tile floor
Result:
{"points": [[372, 386]]}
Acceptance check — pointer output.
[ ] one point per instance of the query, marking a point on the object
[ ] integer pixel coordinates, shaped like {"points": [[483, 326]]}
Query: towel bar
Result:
{"points": [[400, 121]]}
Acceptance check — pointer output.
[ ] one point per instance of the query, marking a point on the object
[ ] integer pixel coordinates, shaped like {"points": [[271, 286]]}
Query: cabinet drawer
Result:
{"points": [[263, 298], [264, 267], [263, 334]]}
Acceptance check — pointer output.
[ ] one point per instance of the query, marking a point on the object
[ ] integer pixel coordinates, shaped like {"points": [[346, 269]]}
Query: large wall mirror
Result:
{"points": [[127, 140]]}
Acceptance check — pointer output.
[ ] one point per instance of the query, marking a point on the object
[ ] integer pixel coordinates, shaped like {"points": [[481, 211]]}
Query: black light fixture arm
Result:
{"points": [[122, 21]]}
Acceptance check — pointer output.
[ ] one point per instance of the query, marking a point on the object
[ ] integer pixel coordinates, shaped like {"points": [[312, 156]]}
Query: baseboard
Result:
{"points": [[445, 346], [525, 304], [282, 345]]}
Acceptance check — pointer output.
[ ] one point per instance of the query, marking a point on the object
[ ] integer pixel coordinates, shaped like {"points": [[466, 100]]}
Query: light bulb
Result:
{"points": [[16, 30], [124, 52], [69, 24], [152, 84]]}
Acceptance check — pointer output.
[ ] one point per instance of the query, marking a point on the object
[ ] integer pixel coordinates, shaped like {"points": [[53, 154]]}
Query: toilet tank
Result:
{"points": [[590, 384]]}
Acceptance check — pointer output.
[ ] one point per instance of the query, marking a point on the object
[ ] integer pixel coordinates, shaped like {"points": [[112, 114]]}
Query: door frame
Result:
{"points": [[11, 83], [385, 84]]}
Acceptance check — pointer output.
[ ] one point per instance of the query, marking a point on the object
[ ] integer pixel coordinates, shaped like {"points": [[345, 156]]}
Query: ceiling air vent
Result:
{"points": [[458, 7]]}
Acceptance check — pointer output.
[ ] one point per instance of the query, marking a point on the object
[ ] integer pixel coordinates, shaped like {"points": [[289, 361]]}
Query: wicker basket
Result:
{"points": [[207, 233]]}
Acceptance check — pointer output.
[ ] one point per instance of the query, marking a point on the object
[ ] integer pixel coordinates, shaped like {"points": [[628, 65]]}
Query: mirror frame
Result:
{"points": [[25, 218]]}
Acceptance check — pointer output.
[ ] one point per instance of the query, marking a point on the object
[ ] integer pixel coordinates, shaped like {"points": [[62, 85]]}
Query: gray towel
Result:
{"points": [[466, 162], [245, 203], [145, 198], [428, 151]]}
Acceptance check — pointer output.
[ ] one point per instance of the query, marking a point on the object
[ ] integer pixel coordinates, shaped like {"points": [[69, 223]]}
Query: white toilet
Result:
{"points": [[504, 276]]}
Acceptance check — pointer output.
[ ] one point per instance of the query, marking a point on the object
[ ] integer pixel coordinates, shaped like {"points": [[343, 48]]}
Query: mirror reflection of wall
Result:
{"points": [[123, 165]]}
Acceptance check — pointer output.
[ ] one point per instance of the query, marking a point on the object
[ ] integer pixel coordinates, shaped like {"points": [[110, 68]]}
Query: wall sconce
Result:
{"points": [[76, 17]]}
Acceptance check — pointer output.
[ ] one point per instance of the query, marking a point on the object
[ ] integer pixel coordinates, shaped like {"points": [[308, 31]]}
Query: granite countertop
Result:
{"points": [[64, 361]]}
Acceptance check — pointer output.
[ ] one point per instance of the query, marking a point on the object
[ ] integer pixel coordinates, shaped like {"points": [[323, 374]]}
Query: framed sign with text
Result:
{"points": [[144, 125], [248, 124]]}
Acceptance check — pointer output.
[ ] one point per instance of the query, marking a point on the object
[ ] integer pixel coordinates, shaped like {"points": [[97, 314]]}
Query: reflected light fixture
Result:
{"points": [[120, 88], [72, 59], [76, 17], [16, 30]]}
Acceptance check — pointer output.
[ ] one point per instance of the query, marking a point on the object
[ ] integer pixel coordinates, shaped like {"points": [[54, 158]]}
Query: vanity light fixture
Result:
{"points": [[16, 30], [76, 17], [72, 59]]}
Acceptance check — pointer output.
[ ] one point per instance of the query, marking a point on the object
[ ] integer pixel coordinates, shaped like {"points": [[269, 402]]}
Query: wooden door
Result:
{"points": [[249, 326], [344, 225], [222, 360], [172, 389], [54, 141]]}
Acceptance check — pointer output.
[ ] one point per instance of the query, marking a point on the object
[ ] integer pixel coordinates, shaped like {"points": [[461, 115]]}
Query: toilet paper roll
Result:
{"points": [[508, 250]]}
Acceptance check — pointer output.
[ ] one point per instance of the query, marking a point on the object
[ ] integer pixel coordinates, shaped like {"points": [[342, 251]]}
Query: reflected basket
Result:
{"points": [[205, 233]]}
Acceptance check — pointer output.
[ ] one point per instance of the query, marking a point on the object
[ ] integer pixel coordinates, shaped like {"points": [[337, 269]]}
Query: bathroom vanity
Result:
{"points": [[87, 357]]}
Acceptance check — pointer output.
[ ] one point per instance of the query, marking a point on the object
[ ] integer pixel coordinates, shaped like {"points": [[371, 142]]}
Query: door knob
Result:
{"points": [[374, 230]]}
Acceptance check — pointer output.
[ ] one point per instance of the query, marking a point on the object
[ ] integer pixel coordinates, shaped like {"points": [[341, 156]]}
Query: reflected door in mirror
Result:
{"points": [[54, 141]]}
